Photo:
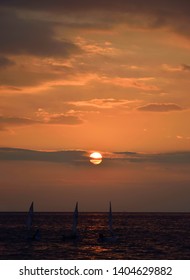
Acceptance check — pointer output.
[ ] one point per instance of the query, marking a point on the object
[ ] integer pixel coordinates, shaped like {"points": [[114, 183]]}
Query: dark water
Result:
{"points": [[140, 236]]}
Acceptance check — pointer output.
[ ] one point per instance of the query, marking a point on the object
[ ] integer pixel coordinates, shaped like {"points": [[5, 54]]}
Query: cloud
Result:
{"points": [[57, 118], [6, 122], [179, 68], [139, 83], [69, 156], [65, 119], [180, 137], [22, 77], [173, 15], [163, 158], [16, 121], [6, 62], [173, 158], [186, 67], [110, 5], [160, 107], [170, 68], [33, 37], [93, 47], [82, 157], [42, 118], [102, 103], [9, 88]]}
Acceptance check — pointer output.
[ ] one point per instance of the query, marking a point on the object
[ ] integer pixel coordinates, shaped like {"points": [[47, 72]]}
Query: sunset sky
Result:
{"points": [[84, 76]]}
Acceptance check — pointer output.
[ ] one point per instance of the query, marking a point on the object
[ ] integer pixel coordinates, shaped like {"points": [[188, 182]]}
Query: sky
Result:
{"points": [[84, 76]]}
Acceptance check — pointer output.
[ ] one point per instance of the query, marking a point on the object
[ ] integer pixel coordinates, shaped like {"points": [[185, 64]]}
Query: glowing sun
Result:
{"points": [[95, 158]]}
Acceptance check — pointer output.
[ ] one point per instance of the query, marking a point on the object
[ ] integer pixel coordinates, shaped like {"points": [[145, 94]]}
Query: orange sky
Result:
{"points": [[90, 76], [95, 75]]}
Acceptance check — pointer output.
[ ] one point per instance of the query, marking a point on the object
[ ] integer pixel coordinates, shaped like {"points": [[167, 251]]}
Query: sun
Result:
{"points": [[95, 158]]}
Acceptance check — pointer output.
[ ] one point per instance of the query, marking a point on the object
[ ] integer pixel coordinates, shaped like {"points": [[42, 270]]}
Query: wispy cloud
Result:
{"points": [[160, 107], [143, 83], [43, 117], [178, 68], [93, 47], [103, 103], [180, 137], [16, 121], [57, 118]]}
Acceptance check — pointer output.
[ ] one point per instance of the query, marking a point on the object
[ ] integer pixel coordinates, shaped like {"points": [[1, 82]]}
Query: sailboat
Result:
{"points": [[110, 220], [73, 236], [75, 220], [111, 237], [29, 221]]}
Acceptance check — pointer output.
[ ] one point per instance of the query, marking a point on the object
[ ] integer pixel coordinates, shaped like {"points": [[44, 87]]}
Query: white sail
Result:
{"points": [[110, 219], [30, 216], [75, 219]]}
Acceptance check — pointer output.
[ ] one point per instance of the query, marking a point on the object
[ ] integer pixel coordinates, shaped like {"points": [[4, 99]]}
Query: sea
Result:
{"points": [[140, 236]]}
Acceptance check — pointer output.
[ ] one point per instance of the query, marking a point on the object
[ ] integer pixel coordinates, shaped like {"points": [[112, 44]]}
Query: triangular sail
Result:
{"points": [[75, 219], [30, 216], [110, 219]]}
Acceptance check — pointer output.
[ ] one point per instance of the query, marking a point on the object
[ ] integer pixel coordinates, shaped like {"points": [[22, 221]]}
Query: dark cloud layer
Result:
{"points": [[160, 107], [159, 13], [167, 158], [31, 155], [5, 62], [34, 37], [120, 5], [82, 157]]}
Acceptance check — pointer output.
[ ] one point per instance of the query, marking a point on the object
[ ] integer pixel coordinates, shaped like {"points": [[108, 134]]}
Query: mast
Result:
{"points": [[75, 219], [110, 219], [30, 216]]}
